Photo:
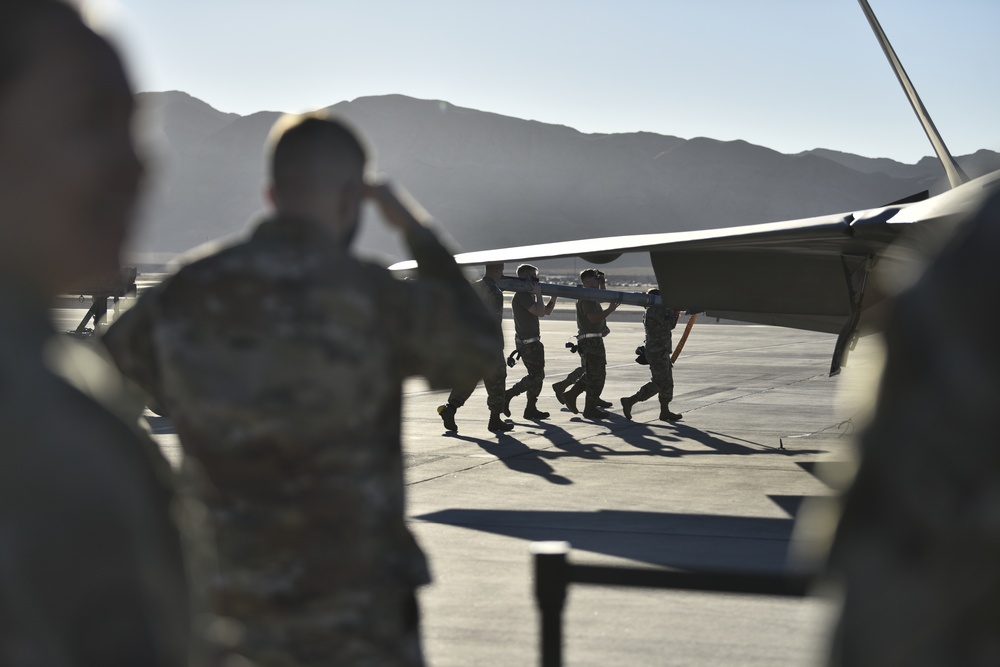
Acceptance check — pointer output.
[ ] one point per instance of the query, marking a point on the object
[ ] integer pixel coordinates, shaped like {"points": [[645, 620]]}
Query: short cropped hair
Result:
{"points": [[312, 152], [524, 268], [591, 273], [20, 23]]}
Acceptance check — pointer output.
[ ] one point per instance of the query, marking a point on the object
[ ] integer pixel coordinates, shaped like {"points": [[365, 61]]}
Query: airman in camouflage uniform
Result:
{"points": [[91, 567], [658, 321], [591, 322], [527, 308], [280, 361], [918, 545], [563, 385], [496, 379]]}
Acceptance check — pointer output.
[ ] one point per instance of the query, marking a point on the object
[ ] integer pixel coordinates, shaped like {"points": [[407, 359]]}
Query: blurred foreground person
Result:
{"points": [[91, 570], [918, 545], [281, 361]]}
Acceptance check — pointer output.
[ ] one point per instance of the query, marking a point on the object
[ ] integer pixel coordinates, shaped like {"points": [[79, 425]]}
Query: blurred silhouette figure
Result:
{"points": [[918, 545], [496, 379], [280, 360], [91, 568]]}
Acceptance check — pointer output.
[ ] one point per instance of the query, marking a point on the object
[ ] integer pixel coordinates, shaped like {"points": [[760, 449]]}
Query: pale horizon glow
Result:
{"points": [[791, 76]]}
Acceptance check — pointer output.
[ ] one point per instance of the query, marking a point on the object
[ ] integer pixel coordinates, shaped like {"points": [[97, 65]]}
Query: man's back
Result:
{"points": [[281, 362], [658, 321]]}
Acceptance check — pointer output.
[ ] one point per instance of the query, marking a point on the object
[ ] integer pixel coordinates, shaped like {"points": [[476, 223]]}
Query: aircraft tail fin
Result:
{"points": [[954, 172]]}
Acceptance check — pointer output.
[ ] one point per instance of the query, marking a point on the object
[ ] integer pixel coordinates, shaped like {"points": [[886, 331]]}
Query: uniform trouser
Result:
{"points": [[495, 381], [574, 376], [533, 356], [663, 380], [312, 639], [593, 362]]}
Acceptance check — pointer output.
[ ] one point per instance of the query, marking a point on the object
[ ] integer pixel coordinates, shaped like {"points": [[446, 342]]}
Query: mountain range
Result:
{"points": [[494, 181]]}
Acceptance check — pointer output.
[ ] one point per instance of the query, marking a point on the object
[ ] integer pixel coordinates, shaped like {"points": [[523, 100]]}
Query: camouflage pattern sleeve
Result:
{"points": [[658, 322], [130, 342], [444, 330]]}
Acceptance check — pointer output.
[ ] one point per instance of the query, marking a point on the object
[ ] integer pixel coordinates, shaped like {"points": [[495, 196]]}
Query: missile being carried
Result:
{"points": [[590, 294]]}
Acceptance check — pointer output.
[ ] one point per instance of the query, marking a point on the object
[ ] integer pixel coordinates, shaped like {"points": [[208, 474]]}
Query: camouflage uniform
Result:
{"points": [[918, 545], [658, 322], [574, 375], [91, 568], [593, 360], [280, 361], [533, 353], [495, 380]]}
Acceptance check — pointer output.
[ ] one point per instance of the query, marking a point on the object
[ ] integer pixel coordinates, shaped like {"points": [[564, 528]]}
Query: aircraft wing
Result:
{"points": [[816, 273], [743, 273]]}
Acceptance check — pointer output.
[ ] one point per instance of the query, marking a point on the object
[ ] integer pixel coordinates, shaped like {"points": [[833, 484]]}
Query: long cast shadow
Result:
{"points": [[517, 456], [566, 442], [648, 439], [656, 438], [658, 538]]}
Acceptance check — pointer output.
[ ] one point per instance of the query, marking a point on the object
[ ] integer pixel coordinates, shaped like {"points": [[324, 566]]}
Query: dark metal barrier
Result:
{"points": [[554, 573]]}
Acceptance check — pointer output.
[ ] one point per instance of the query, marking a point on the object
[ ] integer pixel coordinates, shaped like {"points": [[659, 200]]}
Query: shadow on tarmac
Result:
{"points": [[658, 538], [516, 456], [725, 445], [657, 439], [648, 439]]}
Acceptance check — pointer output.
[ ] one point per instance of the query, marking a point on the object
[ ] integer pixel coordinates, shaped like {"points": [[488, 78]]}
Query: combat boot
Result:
{"points": [[627, 403], [569, 397], [507, 396], [497, 425], [531, 411], [592, 411], [447, 412], [667, 416], [560, 389]]}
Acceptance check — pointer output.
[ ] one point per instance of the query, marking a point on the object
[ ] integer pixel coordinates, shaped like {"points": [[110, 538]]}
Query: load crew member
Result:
{"points": [[658, 321], [496, 379], [527, 307], [591, 325]]}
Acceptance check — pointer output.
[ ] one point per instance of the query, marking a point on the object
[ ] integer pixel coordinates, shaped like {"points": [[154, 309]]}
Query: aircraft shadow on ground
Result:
{"points": [[689, 541]]}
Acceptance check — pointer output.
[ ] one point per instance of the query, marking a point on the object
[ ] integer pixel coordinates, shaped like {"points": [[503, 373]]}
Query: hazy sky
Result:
{"points": [[787, 74]]}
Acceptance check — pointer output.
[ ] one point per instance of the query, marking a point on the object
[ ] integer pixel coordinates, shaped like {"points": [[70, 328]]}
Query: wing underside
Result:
{"points": [[786, 273], [815, 273]]}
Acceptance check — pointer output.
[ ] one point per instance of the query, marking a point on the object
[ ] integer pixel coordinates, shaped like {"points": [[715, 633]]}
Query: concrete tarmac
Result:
{"points": [[713, 491], [718, 490]]}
